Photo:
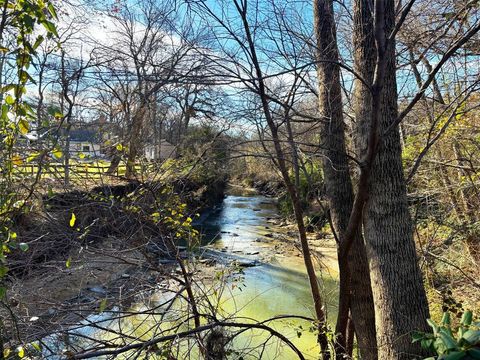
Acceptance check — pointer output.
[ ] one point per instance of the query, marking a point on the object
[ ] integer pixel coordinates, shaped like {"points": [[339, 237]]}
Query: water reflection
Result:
{"points": [[271, 289], [277, 288]]}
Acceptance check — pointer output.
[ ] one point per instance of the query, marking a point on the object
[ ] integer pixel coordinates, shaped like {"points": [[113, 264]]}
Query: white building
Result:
{"points": [[163, 150], [84, 143]]}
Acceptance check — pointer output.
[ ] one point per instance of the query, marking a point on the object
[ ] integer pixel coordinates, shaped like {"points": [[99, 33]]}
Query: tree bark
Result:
{"points": [[135, 140], [399, 296], [355, 287]]}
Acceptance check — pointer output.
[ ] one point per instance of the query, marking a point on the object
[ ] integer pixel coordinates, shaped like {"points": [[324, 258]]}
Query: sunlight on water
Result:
{"points": [[257, 293]]}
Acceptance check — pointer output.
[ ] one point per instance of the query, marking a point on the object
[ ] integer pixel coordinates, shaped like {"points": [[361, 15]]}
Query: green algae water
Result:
{"points": [[241, 228], [278, 286]]}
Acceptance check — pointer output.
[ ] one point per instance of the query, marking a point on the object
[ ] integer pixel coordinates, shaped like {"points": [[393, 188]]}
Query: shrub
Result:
{"points": [[463, 345]]}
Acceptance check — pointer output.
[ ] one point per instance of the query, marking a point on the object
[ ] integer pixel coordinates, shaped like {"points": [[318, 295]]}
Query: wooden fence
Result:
{"points": [[82, 170]]}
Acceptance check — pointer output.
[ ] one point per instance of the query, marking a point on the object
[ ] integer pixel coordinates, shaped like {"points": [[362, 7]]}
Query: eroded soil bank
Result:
{"points": [[244, 231], [111, 253]]}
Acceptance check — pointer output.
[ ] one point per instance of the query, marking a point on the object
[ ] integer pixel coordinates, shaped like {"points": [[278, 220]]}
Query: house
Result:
{"points": [[84, 142], [161, 151]]}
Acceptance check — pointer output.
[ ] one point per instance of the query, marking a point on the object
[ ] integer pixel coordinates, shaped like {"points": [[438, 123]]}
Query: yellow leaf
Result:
{"points": [[72, 220], [81, 156], [6, 353], [23, 126], [68, 263], [17, 160], [20, 352], [33, 157], [119, 147], [57, 153]]}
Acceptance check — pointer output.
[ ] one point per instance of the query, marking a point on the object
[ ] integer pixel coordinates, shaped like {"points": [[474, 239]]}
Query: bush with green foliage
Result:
{"points": [[451, 342], [19, 20]]}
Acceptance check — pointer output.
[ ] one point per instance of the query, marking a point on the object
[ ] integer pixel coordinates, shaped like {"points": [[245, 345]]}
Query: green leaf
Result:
{"points": [[9, 99], [456, 355], [4, 112], [68, 263], [3, 270], [417, 336], [439, 346], [8, 87], [467, 318], [38, 42], [448, 340], [472, 336], [25, 76], [427, 344], [37, 346], [446, 318], [29, 21], [72, 220], [103, 305], [474, 353], [23, 246], [23, 126], [50, 27], [51, 10], [433, 326]]}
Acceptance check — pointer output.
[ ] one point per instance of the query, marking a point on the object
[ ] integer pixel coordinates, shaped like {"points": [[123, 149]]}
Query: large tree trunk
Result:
{"points": [[355, 288], [397, 286]]}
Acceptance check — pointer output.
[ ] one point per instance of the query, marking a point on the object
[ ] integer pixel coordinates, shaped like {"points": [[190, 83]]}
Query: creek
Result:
{"points": [[278, 285], [272, 282]]}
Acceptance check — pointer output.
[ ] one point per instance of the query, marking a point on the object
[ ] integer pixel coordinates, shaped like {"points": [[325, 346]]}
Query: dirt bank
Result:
{"points": [[111, 252]]}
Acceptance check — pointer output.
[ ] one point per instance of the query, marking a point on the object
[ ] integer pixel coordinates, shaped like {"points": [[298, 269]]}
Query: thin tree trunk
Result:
{"points": [[350, 338], [116, 158], [67, 153], [355, 288], [448, 186], [469, 213], [279, 160], [135, 141], [399, 296]]}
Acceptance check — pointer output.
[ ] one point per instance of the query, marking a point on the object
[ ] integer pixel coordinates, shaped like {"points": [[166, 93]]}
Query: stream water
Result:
{"points": [[278, 285], [241, 228]]}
